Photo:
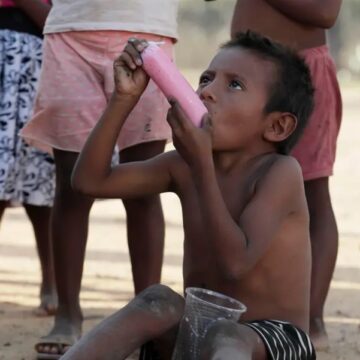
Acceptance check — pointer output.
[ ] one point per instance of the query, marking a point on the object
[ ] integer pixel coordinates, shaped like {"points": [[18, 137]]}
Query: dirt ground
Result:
{"points": [[107, 283]]}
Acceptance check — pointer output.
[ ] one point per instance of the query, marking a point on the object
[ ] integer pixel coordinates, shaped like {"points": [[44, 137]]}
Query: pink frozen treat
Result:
{"points": [[170, 81]]}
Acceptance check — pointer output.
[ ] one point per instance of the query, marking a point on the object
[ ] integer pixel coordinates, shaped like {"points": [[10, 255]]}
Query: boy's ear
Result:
{"points": [[280, 126]]}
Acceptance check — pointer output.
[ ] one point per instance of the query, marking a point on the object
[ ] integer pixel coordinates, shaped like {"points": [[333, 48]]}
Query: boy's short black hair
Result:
{"points": [[292, 91]]}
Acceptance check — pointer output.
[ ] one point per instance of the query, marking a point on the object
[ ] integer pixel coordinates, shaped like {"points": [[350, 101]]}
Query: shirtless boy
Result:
{"points": [[244, 209], [301, 25]]}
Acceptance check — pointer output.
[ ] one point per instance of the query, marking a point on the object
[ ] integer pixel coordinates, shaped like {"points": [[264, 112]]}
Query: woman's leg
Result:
{"points": [[40, 220], [324, 243], [3, 205], [69, 229], [145, 224]]}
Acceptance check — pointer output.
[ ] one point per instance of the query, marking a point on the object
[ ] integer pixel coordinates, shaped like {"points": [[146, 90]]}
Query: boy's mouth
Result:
{"points": [[208, 107]]}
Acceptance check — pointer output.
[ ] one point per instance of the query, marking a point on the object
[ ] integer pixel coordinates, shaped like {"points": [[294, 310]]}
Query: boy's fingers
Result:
{"points": [[182, 119], [127, 59], [171, 119], [135, 47], [134, 53], [138, 44], [206, 123]]}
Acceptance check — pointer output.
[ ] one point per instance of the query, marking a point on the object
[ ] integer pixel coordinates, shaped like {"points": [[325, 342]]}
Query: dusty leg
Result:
{"points": [[145, 224], [149, 315], [40, 219], [69, 227], [324, 242], [228, 340]]}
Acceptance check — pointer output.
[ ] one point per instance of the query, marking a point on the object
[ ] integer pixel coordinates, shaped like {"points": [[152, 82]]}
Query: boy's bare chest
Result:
{"points": [[235, 191], [236, 188]]}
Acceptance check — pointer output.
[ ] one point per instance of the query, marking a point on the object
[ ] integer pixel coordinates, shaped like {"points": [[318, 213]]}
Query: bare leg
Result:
{"points": [[3, 205], [40, 219], [149, 315], [324, 242], [229, 340], [69, 228], [145, 224]]}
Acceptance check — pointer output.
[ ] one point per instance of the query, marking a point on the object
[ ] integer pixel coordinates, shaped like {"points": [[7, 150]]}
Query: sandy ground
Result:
{"points": [[107, 283]]}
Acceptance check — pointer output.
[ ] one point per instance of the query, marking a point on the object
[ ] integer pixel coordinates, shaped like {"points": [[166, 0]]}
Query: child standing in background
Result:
{"points": [[82, 39], [302, 26], [27, 175]]}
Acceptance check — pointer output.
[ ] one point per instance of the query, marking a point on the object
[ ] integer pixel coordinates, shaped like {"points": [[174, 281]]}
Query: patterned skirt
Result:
{"points": [[27, 175]]}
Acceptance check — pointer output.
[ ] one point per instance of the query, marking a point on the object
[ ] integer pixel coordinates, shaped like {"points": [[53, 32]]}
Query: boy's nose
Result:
{"points": [[206, 93]]}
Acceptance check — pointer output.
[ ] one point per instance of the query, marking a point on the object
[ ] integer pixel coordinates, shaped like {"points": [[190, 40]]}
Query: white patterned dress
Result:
{"points": [[27, 175]]}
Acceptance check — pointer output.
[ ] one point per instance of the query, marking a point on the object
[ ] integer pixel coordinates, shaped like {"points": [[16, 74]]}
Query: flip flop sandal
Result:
{"points": [[59, 341]]}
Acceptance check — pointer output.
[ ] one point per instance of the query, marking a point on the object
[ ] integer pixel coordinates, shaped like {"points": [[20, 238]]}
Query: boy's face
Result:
{"points": [[235, 89]]}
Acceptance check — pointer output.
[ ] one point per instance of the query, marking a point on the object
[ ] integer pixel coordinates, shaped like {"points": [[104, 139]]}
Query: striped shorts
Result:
{"points": [[283, 341]]}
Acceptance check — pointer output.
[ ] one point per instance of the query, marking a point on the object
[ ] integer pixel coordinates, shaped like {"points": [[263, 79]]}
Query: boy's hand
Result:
{"points": [[192, 143], [130, 78]]}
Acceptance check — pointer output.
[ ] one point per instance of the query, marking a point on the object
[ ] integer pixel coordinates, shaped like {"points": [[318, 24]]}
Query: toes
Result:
{"points": [[54, 350], [44, 349], [47, 349]]}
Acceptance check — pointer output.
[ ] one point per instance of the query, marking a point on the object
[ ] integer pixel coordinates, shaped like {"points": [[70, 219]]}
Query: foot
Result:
{"points": [[48, 303], [318, 334], [63, 335]]}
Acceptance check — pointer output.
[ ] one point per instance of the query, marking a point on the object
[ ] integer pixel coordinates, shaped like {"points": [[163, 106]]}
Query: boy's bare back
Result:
{"points": [[296, 23]]}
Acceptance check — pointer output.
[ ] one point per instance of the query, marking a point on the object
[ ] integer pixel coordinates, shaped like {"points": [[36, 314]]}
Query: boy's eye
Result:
{"points": [[234, 84], [204, 79]]}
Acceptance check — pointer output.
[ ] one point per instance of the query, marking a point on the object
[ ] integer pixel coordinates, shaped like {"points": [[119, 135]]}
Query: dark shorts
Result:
{"points": [[148, 352], [283, 340]]}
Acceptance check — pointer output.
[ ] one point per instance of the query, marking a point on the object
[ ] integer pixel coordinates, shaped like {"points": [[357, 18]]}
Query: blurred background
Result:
{"points": [[204, 25], [107, 283]]}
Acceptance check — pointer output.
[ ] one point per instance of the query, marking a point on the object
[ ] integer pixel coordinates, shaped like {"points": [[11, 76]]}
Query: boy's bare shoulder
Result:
{"points": [[288, 166], [283, 176]]}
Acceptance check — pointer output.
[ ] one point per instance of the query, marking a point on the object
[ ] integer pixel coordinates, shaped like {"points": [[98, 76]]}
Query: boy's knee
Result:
{"points": [[223, 337], [220, 330], [161, 300]]}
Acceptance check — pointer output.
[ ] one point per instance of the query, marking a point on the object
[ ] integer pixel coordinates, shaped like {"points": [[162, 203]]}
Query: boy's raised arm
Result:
{"points": [[318, 13], [93, 174]]}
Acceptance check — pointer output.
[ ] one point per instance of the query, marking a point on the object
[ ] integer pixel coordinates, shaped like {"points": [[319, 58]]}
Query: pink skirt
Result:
{"points": [[76, 83]]}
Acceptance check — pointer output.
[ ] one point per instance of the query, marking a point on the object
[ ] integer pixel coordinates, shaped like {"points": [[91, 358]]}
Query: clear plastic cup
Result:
{"points": [[202, 308]]}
